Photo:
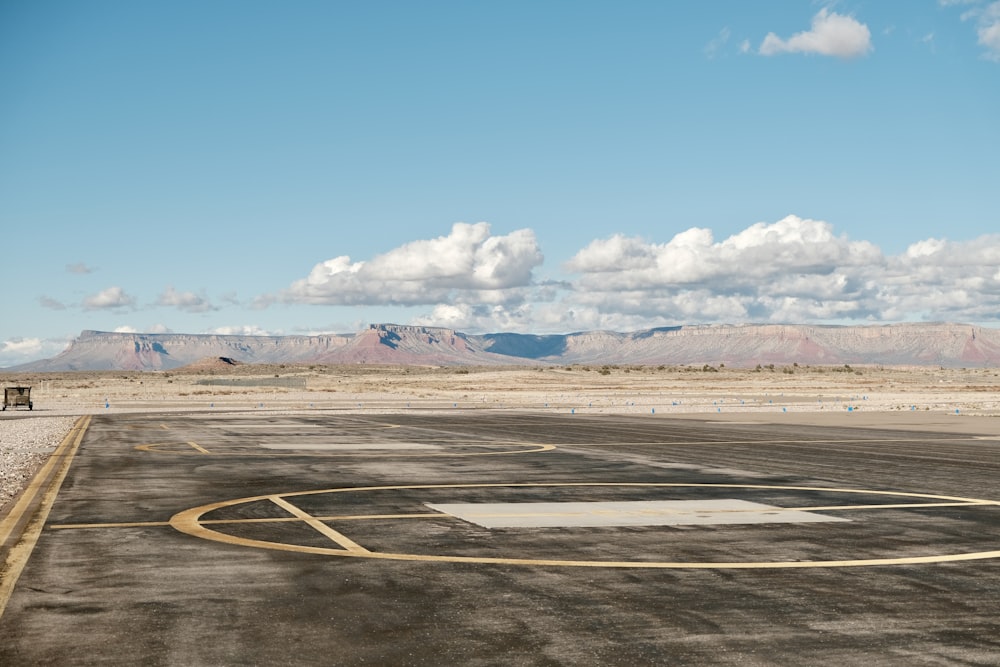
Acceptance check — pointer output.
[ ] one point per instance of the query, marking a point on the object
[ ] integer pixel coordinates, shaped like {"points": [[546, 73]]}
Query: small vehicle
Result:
{"points": [[17, 396]]}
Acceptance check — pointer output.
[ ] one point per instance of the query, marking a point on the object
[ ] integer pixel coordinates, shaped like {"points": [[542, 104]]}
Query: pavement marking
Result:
{"points": [[350, 446], [602, 513], [43, 488], [273, 519], [830, 441], [190, 522], [338, 426], [360, 450], [318, 525]]}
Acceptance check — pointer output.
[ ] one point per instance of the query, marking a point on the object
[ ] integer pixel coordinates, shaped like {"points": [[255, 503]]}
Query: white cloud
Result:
{"points": [[109, 299], [792, 270], [987, 17], [468, 265], [831, 34], [21, 346], [989, 37], [14, 351], [692, 258], [240, 330], [186, 301]]}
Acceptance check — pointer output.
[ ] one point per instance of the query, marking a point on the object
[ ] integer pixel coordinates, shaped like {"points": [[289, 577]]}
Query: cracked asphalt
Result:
{"points": [[327, 538]]}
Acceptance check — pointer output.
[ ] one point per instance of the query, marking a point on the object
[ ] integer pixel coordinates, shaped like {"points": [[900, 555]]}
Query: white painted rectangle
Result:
{"points": [[627, 513]]}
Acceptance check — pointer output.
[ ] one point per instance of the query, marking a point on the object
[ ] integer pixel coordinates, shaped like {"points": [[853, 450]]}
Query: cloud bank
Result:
{"points": [[792, 270]]}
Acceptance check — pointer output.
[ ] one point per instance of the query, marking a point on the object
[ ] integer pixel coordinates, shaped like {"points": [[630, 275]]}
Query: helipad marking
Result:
{"points": [[189, 522], [349, 446], [338, 426], [720, 511], [319, 526], [273, 519], [818, 441], [177, 448]]}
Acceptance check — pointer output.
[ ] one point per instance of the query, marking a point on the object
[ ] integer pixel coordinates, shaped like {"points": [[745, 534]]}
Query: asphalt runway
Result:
{"points": [[506, 538]]}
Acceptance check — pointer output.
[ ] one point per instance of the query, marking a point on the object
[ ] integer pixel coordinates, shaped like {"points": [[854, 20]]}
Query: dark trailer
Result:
{"points": [[17, 396]]}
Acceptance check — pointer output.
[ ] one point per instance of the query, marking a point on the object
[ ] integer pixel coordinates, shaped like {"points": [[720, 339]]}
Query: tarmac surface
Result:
{"points": [[505, 538]]}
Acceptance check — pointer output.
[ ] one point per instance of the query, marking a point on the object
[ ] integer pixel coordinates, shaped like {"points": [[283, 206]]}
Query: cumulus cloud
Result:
{"points": [[792, 270], [109, 299], [831, 34], [186, 301], [14, 351], [795, 269], [692, 258], [21, 346], [467, 265]]}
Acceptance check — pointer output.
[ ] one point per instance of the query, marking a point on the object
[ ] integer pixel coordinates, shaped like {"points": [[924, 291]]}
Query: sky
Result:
{"points": [[307, 167]]}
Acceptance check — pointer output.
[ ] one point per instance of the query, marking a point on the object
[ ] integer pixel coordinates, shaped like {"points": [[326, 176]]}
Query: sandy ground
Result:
{"points": [[578, 389]]}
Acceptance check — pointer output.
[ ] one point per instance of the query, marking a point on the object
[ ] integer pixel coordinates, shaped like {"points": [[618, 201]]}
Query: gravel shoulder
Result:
{"points": [[25, 444]]}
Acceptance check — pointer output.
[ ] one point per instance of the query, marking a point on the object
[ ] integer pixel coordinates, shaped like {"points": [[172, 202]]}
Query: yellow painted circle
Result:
{"points": [[190, 522], [190, 448]]}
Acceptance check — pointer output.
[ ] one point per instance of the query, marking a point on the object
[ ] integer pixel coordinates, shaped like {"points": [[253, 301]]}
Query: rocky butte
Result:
{"points": [[909, 344]]}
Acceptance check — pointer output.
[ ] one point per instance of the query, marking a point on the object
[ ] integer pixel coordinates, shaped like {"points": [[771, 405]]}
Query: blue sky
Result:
{"points": [[309, 167]]}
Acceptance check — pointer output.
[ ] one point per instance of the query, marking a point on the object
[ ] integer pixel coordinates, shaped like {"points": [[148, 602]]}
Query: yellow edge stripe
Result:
{"points": [[53, 472], [319, 526], [285, 519], [158, 448]]}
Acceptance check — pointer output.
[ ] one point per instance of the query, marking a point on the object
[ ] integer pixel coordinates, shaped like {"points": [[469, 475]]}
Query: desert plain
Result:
{"points": [[577, 389]]}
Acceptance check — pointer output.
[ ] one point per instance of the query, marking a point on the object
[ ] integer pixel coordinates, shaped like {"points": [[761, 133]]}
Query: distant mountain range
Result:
{"points": [[948, 345]]}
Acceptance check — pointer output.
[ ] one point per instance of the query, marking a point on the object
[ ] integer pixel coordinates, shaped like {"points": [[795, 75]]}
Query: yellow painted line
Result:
{"points": [[43, 487], [853, 441], [131, 524], [438, 515], [189, 522], [886, 506], [329, 427], [529, 448], [319, 526], [198, 447], [281, 519]]}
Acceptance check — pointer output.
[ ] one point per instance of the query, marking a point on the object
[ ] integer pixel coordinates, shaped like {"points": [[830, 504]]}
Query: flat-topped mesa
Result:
{"points": [[907, 344]]}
